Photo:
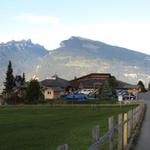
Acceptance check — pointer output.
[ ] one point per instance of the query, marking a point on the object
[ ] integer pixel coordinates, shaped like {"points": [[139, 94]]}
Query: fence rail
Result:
{"points": [[119, 135], [126, 103]]}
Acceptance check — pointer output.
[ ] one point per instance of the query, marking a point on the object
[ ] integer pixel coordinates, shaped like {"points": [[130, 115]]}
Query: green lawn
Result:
{"points": [[46, 127]]}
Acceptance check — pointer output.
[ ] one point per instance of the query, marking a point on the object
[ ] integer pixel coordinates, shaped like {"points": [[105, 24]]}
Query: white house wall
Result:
{"points": [[49, 94]]}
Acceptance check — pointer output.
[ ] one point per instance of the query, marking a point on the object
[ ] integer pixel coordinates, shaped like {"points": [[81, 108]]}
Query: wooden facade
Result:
{"points": [[90, 81], [93, 76]]}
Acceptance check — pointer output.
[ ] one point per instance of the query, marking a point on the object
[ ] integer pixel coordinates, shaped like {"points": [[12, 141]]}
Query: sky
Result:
{"points": [[124, 23]]}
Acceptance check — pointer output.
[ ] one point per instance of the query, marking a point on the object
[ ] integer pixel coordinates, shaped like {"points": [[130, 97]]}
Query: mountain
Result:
{"points": [[78, 56], [75, 57], [24, 56]]}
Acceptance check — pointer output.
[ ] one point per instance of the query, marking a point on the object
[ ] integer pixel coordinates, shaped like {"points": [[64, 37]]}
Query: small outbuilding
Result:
{"points": [[52, 93], [53, 87], [130, 88]]}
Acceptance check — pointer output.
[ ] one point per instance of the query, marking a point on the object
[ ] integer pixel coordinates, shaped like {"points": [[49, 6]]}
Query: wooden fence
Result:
{"points": [[119, 135]]}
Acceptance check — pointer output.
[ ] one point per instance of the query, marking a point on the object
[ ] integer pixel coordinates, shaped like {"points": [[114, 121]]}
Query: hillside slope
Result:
{"points": [[78, 56]]}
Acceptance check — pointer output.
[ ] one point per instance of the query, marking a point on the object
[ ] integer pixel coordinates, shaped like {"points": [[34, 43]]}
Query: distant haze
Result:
{"points": [[122, 23]]}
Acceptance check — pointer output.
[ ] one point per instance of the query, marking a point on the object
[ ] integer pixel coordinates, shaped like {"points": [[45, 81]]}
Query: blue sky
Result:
{"points": [[124, 23]]}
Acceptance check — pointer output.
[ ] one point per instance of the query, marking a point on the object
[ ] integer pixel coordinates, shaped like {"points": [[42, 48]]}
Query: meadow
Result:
{"points": [[44, 127]]}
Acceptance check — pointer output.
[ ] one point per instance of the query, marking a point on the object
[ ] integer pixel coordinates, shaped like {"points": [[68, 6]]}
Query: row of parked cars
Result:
{"points": [[125, 95], [81, 96], [77, 96]]}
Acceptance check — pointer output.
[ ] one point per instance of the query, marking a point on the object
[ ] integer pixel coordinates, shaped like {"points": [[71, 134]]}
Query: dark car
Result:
{"points": [[129, 97]]}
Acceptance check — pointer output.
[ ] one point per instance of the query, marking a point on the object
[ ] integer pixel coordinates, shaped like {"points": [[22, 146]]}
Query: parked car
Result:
{"points": [[77, 96], [121, 92], [129, 97]]}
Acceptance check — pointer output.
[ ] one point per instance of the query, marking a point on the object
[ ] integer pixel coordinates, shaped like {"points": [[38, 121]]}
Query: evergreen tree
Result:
{"points": [[141, 86], [106, 91], [113, 84], [9, 83], [149, 86], [33, 91], [23, 79]]}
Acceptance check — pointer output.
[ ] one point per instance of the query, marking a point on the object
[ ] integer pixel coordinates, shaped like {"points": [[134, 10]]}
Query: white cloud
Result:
{"points": [[31, 18], [131, 75]]}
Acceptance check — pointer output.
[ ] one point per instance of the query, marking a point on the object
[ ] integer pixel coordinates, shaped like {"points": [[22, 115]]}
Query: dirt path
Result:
{"points": [[144, 139]]}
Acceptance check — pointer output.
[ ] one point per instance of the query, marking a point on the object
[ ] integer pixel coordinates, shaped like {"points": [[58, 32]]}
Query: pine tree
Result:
{"points": [[9, 83], [106, 91], [23, 78], [141, 86], [113, 84]]}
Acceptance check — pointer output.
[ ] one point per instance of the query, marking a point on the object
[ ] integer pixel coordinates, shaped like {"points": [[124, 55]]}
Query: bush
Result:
{"points": [[33, 92]]}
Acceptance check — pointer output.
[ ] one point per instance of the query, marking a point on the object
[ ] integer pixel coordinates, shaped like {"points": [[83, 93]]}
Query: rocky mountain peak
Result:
{"points": [[22, 45], [77, 42]]}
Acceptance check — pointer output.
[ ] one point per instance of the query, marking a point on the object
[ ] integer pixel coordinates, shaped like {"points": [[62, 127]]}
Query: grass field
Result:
{"points": [[46, 127]]}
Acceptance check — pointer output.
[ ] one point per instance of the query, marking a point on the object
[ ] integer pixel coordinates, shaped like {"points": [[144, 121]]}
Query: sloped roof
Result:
{"points": [[131, 86], [58, 82], [91, 74], [57, 89], [92, 82], [87, 83], [124, 85]]}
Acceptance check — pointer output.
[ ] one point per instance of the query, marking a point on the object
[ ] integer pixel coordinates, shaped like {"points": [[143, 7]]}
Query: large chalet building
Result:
{"points": [[89, 83], [54, 87]]}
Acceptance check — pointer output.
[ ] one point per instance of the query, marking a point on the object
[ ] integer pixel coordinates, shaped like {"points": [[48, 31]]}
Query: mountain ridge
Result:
{"points": [[102, 43], [24, 56], [78, 56]]}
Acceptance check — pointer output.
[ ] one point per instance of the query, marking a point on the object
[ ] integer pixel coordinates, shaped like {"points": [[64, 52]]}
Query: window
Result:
{"points": [[48, 92]]}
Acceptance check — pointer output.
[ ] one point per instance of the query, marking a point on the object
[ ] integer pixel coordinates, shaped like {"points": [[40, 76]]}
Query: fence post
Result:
{"points": [[129, 123], [96, 135], [142, 109], [133, 126], [111, 136], [131, 120], [135, 116], [125, 131], [120, 141], [139, 113], [63, 147]]}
